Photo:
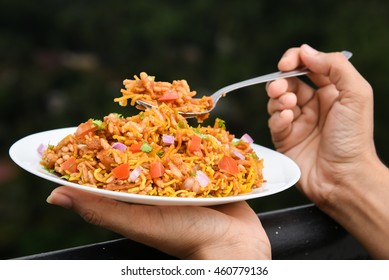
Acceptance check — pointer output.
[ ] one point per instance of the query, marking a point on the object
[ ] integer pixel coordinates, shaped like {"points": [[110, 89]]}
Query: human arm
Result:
{"points": [[328, 131], [231, 231]]}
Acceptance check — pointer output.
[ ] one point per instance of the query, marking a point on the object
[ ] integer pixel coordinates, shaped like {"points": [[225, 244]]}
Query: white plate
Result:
{"points": [[279, 171]]}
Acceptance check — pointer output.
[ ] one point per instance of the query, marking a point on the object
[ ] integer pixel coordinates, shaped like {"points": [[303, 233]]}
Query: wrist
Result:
{"points": [[365, 182], [359, 204]]}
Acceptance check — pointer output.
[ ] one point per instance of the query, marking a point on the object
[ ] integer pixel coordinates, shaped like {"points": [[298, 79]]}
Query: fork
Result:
{"points": [[261, 79]]}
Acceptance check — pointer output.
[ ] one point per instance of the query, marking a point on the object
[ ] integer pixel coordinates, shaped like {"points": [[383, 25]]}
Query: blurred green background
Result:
{"points": [[62, 62]]}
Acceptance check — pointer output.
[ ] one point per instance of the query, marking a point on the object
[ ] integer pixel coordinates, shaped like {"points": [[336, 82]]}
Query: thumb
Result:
{"points": [[145, 224], [178, 231], [334, 68]]}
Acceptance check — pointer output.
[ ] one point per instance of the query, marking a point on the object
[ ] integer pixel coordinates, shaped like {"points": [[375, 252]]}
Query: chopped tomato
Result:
{"points": [[169, 96], [156, 169], [122, 171], [85, 128], [194, 143], [229, 165], [70, 165], [135, 148]]}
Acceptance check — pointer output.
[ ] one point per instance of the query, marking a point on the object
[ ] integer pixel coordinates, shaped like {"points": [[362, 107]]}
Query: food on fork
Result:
{"points": [[176, 95]]}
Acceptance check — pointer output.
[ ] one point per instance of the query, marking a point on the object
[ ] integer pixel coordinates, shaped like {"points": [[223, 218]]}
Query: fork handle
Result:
{"points": [[266, 78]]}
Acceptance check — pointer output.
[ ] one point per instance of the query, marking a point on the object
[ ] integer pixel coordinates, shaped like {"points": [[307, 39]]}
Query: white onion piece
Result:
{"points": [[119, 146], [41, 148], [247, 138], [168, 139], [238, 155], [135, 174], [202, 178]]}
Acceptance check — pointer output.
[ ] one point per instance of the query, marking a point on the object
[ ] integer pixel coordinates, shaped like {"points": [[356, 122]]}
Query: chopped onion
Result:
{"points": [[247, 138], [119, 146], [202, 178], [135, 174], [41, 148], [238, 154], [168, 139]]}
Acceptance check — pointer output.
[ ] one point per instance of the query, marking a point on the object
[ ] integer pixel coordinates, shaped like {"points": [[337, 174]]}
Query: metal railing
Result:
{"points": [[302, 232]]}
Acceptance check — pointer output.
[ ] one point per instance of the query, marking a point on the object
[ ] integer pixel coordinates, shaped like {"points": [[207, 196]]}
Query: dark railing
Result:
{"points": [[302, 232]]}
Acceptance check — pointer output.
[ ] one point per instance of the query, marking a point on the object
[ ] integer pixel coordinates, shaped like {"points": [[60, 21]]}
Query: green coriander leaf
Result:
{"points": [[119, 116], [160, 153], [220, 123], [142, 115], [201, 135], [98, 123], [146, 147]]}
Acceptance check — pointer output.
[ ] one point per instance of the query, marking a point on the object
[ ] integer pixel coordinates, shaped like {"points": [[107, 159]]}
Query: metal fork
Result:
{"points": [[261, 79]]}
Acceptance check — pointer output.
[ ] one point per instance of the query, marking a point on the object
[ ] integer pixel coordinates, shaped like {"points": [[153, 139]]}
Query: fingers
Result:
{"points": [[280, 98], [280, 124], [287, 101], [285, 94], [290, 60], [88, 207], [146, 224], [185, 232], [280, 107]]}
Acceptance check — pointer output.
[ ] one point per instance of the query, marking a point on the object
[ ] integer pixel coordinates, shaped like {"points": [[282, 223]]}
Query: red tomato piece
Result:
{"points": [[135, 148], [85, 128], [122, 172], [169, 96], [229, 165], [194, 144], [156, 169], [70, 165]]}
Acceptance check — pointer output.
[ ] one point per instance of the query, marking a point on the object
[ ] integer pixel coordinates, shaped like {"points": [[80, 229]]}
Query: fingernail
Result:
{"points": [[60, 199], [309, 50]]}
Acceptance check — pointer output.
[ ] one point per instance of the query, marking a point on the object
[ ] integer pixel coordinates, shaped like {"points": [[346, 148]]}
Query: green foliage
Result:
{"points": [[63, 62]]}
